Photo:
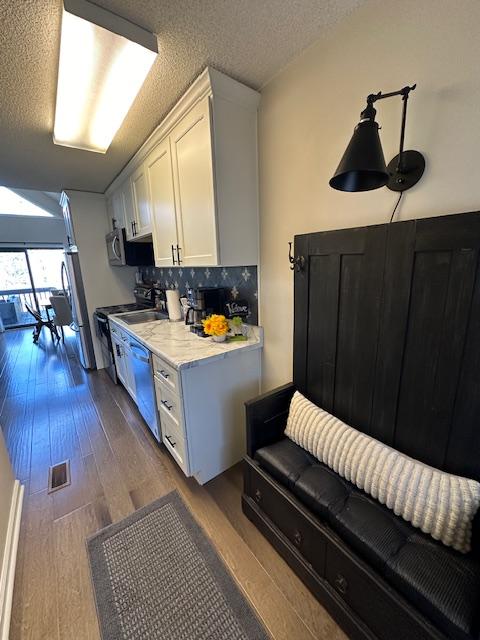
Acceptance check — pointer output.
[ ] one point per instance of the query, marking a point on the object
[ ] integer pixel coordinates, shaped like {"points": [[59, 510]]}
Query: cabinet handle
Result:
{"points": [[178, 254], [119, 355], [166, 405], [164, 374], [173, 254], [133, 228], [135, 232], [258, 496], [170, 441], [341, 584]]}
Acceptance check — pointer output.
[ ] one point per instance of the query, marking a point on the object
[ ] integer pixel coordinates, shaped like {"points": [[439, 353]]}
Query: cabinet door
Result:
{"points": [[160, 182], [143, 218], [118, 354], [110, 214], [191, 143], [118, 210], [129, 375], [129, 209]]}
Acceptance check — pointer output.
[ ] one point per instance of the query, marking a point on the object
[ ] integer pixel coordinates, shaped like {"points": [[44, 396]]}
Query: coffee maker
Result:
{"points": [[203, 302]]}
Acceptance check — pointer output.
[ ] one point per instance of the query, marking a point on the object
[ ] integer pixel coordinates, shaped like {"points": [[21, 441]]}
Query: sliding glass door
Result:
{"points": [[27, 279]]}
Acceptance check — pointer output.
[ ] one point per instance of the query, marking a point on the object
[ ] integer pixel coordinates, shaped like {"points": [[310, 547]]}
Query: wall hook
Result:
{"points": [[298, 263]]}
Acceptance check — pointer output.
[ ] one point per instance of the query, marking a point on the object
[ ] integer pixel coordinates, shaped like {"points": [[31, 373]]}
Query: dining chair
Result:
{"points": [[40, 323], [63, 313]]}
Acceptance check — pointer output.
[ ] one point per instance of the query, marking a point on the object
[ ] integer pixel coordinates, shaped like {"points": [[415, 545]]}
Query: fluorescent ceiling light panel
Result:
{"points": [[104, 61]]}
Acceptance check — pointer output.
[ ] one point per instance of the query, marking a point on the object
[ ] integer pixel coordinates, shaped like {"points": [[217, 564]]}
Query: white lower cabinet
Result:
{"points": [[202, 413], [123, 359]]}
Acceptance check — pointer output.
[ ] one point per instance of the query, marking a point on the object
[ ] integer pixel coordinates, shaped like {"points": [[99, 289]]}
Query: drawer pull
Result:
{"points": [[258, 496], [341, 584], [297, 538], [166, 405], [170, 441], [164, 374]]}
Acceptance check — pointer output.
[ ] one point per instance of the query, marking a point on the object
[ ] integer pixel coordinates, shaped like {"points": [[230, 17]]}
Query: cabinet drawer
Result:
{"points": [[169, 403], [371, 600], [167, 374], [296, 526], [175, 442]]}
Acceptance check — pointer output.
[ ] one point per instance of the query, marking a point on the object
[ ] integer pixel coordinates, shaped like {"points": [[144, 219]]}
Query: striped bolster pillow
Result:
{"points": [[438, 503]]}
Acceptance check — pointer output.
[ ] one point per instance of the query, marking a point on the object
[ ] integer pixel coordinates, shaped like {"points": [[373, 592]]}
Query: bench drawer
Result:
{"points": [[371, 600], [280, 509]]}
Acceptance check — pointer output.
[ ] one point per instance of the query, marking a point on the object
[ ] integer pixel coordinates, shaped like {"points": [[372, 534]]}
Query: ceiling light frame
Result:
{"points": [[103, 62]]}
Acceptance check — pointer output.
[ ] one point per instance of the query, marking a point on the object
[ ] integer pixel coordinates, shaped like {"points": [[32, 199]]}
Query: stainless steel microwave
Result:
{"points": [[122, 253]]}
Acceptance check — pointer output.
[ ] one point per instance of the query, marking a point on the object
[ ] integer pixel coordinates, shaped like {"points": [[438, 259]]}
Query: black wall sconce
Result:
{"points": [[362, 167]]}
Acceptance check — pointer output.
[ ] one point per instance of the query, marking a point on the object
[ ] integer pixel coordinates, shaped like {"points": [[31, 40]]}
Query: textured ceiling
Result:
{"points": [[248, 39]]}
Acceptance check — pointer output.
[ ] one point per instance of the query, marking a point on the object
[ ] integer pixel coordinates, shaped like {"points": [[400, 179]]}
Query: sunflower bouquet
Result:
{"points": [[216, 326]]}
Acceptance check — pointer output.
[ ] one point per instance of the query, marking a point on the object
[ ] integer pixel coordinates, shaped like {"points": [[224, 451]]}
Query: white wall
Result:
{"points": [[7, 481], [104, 285], [307, 115], [30, 230], [9, 523]]}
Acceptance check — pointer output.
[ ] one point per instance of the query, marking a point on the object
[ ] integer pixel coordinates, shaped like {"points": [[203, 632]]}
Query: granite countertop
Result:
{"points": [[175, 343]]}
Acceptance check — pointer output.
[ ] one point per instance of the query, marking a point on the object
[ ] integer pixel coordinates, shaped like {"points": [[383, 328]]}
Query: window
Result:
{"points": [[12, 204], [27, 279]]}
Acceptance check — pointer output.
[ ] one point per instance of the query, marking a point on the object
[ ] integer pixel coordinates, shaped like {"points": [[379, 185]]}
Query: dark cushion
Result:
{"points": [[442, 583], [284, 462]]}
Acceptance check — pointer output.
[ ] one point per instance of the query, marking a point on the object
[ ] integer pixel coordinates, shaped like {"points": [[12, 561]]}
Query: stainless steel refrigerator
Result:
{"points": [[72, 285]]}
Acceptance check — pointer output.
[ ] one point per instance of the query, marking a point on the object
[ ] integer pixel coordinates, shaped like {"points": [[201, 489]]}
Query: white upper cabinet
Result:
{"points": [[142, 225], [127, 197], [194, 182], [191, 143], [118, 210], [160, 181]]}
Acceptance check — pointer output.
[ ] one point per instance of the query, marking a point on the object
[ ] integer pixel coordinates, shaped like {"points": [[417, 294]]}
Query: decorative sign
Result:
{"points": [[237, 308]]}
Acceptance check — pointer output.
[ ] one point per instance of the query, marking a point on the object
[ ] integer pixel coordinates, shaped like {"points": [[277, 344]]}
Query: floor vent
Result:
{"points": [[59, 476]]}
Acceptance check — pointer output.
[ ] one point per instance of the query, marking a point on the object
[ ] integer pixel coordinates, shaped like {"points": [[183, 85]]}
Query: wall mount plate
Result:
{"points": [[414, 166]]}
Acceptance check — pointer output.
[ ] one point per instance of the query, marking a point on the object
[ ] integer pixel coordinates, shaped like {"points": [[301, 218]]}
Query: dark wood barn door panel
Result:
{"points": [[439, 305], [337, 307], [387, 334]]}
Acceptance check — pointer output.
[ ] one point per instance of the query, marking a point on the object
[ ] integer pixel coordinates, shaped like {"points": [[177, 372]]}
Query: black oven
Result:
{"points": [[145, 296]]}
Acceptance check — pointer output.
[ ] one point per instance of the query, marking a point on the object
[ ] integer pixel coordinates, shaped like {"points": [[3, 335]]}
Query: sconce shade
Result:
{"points": [[362, 167]]}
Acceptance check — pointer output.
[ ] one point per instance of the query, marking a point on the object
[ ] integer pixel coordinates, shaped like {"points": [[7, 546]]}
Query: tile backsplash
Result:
{"points": [[241, 282]]}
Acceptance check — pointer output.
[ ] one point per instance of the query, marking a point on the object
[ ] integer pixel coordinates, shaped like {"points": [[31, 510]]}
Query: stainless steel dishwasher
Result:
{"points": [[145, 386]]}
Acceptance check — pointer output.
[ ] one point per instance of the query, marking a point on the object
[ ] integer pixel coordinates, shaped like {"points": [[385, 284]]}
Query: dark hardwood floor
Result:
{"points": [[52, 410]]}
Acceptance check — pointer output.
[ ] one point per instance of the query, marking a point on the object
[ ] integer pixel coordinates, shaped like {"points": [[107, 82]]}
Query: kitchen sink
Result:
{"points": [[143, 316]]}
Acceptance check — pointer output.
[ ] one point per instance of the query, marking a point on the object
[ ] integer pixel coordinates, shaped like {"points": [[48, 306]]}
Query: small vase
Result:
{"points": [[219, 338]]}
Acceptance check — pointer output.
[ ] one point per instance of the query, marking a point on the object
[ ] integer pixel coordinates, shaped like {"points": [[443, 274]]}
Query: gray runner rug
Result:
{"points": [[157, 576]]}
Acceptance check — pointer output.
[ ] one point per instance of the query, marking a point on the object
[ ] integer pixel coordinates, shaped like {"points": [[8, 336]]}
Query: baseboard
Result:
{"points": [[7, 576]]}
